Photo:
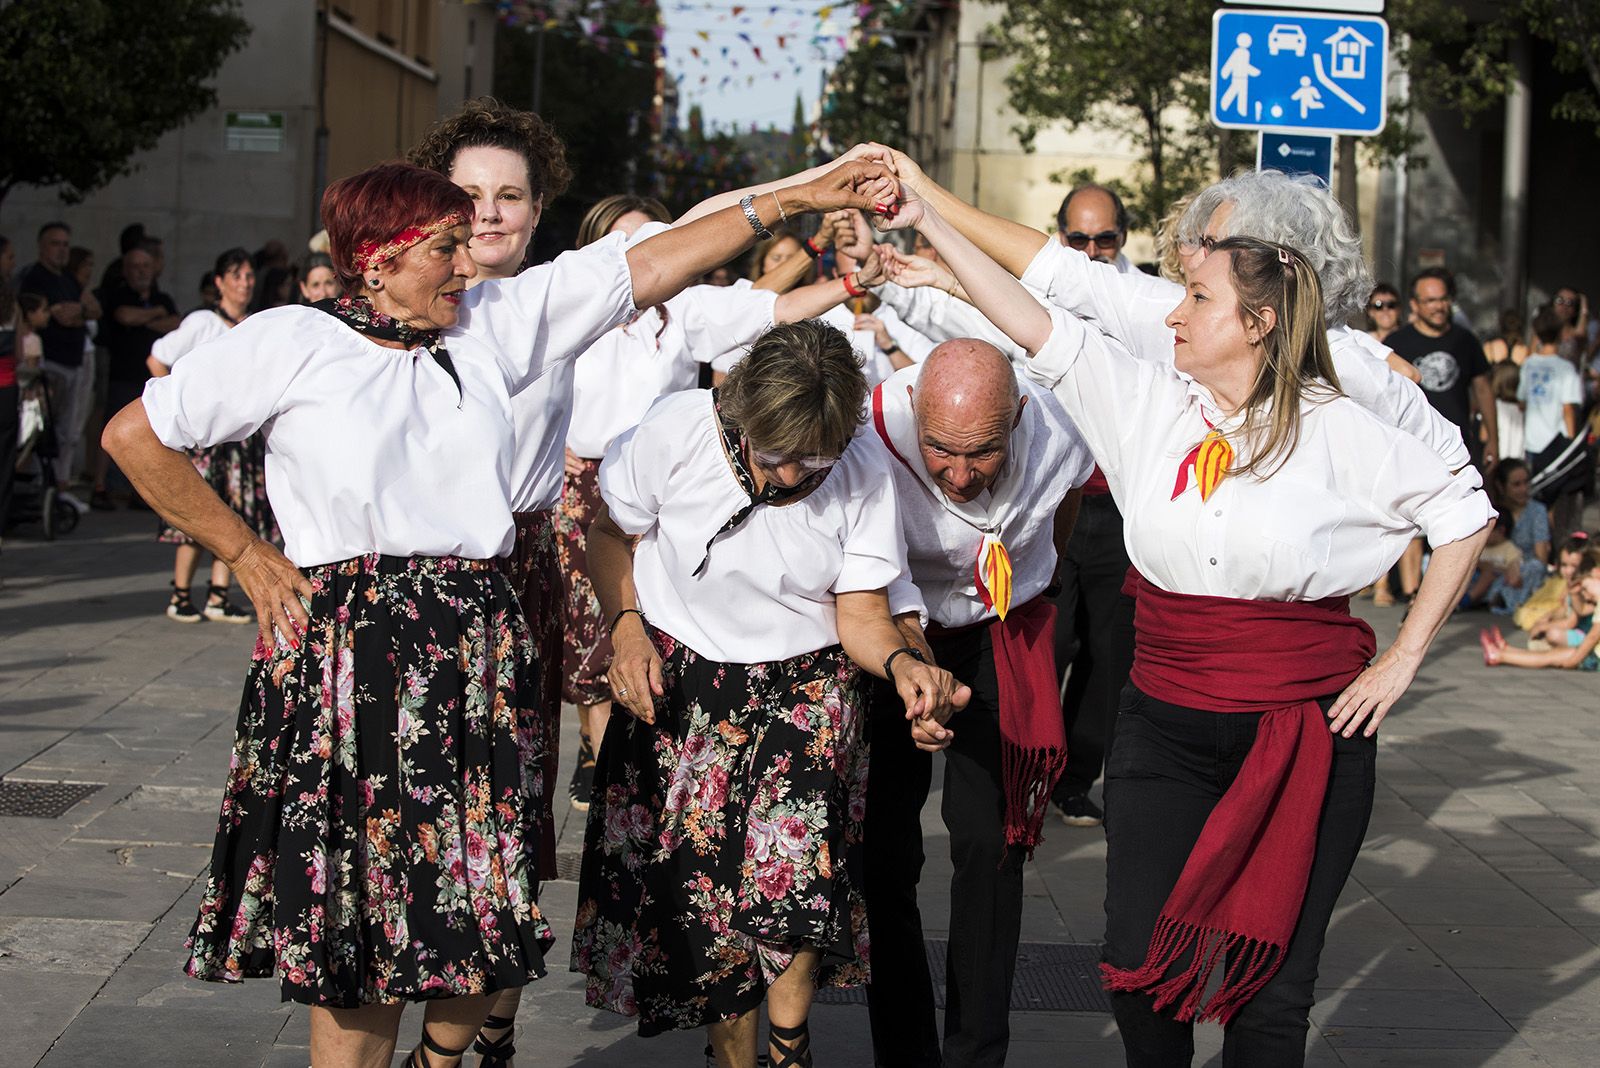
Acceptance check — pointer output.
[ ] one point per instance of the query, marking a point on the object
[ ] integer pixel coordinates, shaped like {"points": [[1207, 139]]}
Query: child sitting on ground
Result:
{"points": [[1558, 604], [1499, 559], [1550, 600], [1578, 649]]}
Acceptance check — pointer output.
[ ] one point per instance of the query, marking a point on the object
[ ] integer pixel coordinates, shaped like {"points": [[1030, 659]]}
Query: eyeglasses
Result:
{"points": [[1104, 239], [1383, 305], [1566, 302], [1204, 241], [813, 464], [1433, 300]]}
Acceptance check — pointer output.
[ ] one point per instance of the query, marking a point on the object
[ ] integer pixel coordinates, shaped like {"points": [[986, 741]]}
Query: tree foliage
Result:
{"points": [[89, 83], [599, 96], [1457, 56], [1102, 63], [868, 95]]}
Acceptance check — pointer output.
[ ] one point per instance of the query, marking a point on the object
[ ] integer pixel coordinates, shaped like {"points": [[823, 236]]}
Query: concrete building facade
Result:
{"points": [[322, 89]]}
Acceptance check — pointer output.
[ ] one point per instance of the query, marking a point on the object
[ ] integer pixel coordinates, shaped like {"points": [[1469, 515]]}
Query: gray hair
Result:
{"points": [[800, 391], [1292, 210]]}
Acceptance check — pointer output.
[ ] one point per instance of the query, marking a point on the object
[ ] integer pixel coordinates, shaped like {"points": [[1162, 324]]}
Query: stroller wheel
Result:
{"points": [[66, 517], [48, 515]]}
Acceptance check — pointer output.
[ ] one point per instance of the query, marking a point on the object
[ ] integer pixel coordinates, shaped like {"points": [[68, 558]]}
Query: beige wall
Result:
{"points": [[417, 60]]}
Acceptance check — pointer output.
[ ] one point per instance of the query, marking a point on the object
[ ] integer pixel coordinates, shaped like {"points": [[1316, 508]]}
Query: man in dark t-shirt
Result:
{"points": [[135, 314], [1455, 374], [63, 339]]}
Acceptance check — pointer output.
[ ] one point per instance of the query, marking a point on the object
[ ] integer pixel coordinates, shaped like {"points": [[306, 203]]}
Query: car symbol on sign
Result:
{"points": [[1286, 38]]}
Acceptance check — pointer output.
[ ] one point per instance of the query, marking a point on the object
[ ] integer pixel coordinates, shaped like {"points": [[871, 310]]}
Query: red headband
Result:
{"points": [[372, 253]]}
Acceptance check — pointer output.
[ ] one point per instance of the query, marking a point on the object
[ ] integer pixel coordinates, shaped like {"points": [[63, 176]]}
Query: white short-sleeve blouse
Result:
{"points": [[767, 589], [197, 328], [373, 449], [618, 377], [1331, 520]]}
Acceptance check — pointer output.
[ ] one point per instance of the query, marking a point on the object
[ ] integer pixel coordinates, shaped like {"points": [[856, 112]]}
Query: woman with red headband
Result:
{"points": [[380, 826], [1258, 498]]}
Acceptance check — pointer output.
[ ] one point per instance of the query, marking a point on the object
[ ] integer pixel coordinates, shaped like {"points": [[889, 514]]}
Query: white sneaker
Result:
{"points": [[67, 498]]}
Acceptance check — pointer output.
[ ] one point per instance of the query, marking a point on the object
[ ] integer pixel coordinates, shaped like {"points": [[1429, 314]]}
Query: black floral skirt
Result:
{"points": [[237, 472], [723, 838], [380, 826], [534, 568], [586, 647]]}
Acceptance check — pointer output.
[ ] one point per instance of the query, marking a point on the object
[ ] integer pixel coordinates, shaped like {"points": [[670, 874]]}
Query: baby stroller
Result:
{"points": [[34, 498]]}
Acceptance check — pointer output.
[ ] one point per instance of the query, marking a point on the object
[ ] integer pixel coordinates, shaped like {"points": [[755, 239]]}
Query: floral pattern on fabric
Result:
{"points": [[724, 838], [379, 831], [534, 570], [237, 472], [586, 648]]}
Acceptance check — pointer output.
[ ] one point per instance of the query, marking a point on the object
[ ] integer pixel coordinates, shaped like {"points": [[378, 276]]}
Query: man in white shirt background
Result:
{"points": [[986, 470]]}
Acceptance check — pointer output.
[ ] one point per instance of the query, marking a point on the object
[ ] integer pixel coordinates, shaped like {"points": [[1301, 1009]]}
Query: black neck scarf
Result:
{"points": [[359, 315], [733, 443]]}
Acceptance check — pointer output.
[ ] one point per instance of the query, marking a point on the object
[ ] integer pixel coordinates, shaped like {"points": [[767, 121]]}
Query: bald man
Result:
{"points": [[987, 476], [1093, 221]]}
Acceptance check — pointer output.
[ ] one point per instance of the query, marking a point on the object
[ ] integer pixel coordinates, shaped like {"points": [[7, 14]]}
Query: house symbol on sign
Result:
{"points": [[1349, 50]]}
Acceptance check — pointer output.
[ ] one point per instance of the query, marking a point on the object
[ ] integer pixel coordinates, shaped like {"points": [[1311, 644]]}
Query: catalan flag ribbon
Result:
{"points": [[1210, 460], [993, 573]]}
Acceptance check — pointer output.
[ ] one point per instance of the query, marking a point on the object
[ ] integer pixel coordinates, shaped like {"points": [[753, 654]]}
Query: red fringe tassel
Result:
{"points": [[1254, 963]]}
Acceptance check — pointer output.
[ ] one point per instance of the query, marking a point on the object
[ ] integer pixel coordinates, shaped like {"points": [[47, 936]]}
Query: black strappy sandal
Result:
{"points": [[792, 1045], [496, 1053], [711, 1058], [420, 1060]]}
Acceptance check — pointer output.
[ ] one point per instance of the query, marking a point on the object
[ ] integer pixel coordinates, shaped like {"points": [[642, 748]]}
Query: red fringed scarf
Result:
{"points": [[1033, 736], [1241, 890]]}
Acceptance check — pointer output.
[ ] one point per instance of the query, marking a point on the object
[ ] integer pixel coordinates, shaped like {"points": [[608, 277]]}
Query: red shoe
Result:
{"points": [[1491, 651]]}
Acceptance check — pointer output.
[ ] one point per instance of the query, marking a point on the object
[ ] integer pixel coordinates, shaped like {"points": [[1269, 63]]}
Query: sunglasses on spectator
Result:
{"points": [[1383, 305], [778, 459], [1566, 301], [1104, 239]]}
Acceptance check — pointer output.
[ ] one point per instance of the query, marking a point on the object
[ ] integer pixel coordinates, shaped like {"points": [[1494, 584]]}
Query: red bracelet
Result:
{"points": [[851, 287], [812, 250]]}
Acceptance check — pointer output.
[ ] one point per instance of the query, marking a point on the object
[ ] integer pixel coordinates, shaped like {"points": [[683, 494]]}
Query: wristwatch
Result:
{"points": [[904, 650]]}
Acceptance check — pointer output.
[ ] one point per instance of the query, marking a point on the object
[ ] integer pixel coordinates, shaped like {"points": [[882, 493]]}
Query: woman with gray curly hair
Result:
{"points": [[1132, 308], [743, 552]]}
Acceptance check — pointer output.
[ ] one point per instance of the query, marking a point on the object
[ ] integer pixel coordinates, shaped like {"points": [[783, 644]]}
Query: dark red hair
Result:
{"points": [[377, 204]]}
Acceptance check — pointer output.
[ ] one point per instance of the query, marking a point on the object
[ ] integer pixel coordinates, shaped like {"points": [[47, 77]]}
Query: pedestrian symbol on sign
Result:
{"points": [[1293, 70], [1237, 72]]}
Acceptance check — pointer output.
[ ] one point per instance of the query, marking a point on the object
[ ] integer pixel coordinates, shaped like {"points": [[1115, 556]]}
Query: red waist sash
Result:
{"points": [[1033, 736], [1243, 885]]}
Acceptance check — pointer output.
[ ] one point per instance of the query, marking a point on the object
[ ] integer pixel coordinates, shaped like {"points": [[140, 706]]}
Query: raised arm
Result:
{"points": [[992, 289], [664, 264], [1010, 244]]}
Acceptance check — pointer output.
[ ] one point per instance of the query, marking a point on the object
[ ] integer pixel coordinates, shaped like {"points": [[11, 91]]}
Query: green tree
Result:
{"points": [[598, 94], [867, 94], [1457, 56], [799, 138], [89, 83], [1095, 63]]}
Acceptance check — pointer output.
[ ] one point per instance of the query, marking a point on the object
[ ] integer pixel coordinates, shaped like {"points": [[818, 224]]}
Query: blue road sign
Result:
{"points": [[1295, 70], [1296, 154]]}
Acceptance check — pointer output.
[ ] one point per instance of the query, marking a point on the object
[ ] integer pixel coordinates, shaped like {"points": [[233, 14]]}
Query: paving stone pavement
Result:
{"points": [[1468, 936]]}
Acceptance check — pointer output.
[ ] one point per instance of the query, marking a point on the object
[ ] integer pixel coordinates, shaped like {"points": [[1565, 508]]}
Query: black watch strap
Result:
{"points": [[904, 650]]}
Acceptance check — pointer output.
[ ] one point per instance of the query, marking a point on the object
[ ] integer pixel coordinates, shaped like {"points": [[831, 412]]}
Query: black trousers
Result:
{"points": [[10, 422], [1168, 768], [985, 891], [1094, 633]]}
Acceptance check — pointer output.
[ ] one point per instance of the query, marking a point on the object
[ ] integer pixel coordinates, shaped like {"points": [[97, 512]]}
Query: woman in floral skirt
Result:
{"points": [[235, 470], [742, 557], [380, 825]]}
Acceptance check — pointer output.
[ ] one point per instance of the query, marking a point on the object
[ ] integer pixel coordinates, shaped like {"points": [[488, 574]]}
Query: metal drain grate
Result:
{"points": [[1050, 977], [568, 862], [42, 800]]}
